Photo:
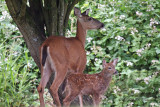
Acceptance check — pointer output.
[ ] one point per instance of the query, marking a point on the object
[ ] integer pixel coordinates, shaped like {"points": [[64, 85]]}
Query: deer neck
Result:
{"points": [[81, 33], [107, 76]]}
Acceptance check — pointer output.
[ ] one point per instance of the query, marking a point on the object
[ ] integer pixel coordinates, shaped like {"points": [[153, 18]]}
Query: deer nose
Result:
{"points": [[102, 25], [115, 73]]}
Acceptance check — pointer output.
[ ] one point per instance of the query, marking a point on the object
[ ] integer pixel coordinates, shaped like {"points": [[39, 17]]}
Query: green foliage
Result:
{"points": [[131, 33], [17, 78]]}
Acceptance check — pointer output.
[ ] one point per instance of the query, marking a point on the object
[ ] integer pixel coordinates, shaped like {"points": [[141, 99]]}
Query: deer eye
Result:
{"points": [[109, 68]]}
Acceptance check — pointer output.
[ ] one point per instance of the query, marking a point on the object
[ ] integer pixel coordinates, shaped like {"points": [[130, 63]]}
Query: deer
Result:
{"points": [[60, 55], [78, 84]]}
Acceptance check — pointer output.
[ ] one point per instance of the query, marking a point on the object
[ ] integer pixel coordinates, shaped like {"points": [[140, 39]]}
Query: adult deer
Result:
{"points": [[60, 54], [89, 84]]}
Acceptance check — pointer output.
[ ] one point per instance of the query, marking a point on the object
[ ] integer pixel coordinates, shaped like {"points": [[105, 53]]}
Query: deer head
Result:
{"points": [[109, 68], [86, 21]]}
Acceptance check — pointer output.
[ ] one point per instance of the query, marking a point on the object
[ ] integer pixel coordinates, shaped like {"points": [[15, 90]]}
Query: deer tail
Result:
{"points": [[44, 54]]}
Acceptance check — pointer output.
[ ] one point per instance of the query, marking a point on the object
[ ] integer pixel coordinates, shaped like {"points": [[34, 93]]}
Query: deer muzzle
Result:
{"points": [[115, 73], [102, 26]]}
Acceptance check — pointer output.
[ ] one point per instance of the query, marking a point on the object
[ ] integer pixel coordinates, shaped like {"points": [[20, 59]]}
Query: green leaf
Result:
{"points": [[108, 20], [157, 50]]}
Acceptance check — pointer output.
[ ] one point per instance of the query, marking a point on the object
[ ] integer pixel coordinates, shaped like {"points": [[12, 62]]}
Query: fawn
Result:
{"points": [[89, 84]]}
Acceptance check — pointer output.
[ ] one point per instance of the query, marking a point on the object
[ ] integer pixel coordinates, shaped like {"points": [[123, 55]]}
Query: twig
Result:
{"points": [[17, 37]]}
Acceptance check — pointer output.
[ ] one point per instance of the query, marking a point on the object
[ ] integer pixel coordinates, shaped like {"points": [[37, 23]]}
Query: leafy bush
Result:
{"points": [[17, 79], [131, 33]]}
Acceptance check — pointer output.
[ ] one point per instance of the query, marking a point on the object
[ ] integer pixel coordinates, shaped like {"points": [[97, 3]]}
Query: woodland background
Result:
{"points": [[131, 33]]}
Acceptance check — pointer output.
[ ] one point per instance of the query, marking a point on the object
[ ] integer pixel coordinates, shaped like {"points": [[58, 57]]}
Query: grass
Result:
{"points": [[17, 79]]}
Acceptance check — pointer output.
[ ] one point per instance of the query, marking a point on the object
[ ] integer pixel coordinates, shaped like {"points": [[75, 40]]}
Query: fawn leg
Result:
{"points": [[45, 75], [80, 100], [96, 100], [70, 97], [59, 78]]}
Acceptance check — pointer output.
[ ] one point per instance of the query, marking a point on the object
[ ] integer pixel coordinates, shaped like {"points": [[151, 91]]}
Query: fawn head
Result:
{"points": [[86, 21], [110, 67]]}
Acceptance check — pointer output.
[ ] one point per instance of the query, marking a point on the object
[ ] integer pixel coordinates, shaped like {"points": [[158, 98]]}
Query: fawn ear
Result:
{"points": [[114, 62], [77, 12], [104, 63], [86, 12]]}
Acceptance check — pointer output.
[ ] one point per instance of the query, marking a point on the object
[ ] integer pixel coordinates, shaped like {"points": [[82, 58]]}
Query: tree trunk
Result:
{"points": [[39, 19]]}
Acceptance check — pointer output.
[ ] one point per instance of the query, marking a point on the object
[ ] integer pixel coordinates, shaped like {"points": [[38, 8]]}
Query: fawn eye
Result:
{"points": [[109, 68]]}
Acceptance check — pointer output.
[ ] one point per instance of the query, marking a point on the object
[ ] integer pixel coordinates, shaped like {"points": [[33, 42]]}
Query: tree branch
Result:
{"points": [[23, 9], [50, 13], [36, 11], [13, 7], [70, 7], [17, 8], [61, 17]]}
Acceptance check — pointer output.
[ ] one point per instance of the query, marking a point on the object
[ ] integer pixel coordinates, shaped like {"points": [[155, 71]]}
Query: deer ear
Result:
{"points": [[77, 12], [114, 62], [86, 12], [104, 63]]}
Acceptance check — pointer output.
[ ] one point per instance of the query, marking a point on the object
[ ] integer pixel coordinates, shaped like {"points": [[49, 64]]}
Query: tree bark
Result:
{"points": [[39, 19], [31, 31]]}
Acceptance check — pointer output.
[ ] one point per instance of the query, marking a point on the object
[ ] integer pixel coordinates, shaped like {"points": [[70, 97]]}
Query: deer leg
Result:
{"points": [[80, 100], [59, 78], [45, 73]]}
